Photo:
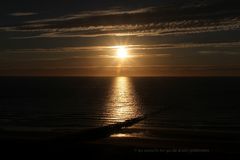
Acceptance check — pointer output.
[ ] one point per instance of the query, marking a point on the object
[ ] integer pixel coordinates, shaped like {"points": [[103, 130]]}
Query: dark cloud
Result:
{"points": [[18, 14], [130, 47], [181, 17]]}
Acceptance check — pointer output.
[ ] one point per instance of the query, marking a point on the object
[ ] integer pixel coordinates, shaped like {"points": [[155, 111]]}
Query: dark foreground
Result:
{"points": [[118, 148], [118, 118], [98, 143]]}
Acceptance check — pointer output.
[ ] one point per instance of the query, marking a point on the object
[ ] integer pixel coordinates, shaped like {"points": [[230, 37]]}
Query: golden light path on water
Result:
{"points": [[123, 102]]}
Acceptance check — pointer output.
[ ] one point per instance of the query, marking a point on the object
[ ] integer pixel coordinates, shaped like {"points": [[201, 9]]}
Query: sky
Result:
{"points": [[77, 37]]}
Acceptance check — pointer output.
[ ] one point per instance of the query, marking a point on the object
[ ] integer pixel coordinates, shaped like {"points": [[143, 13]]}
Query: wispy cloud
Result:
{"points": [[148, 21], [207, 52], [99, 50], [150, 29], [19, 14], [88, 14]]}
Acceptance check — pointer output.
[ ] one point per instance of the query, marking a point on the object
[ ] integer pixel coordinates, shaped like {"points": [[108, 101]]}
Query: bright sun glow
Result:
{"points": [[122, 52]]}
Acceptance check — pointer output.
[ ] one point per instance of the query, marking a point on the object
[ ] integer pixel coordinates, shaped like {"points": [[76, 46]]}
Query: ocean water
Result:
{"points": [[70, 104]]}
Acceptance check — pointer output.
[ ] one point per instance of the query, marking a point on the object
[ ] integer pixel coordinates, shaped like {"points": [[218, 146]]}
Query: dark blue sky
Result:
{"points": [[163, 37]]}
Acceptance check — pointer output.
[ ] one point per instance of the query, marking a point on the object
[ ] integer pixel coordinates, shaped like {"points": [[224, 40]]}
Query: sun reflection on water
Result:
{"points": [[122, 103]]}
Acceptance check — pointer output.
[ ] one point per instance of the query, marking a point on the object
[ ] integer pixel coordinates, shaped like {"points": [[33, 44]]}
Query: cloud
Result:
{"points": [[89, 14], [134, 49], [19, 14], [207, 52], [191, 18], [150, 29]]}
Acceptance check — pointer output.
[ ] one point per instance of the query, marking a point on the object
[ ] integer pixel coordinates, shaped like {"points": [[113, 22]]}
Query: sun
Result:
{"points": [[122, 52]]}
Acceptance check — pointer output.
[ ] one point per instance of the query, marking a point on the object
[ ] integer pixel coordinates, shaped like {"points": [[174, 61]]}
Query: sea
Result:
{"points": [[74, 104]]}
